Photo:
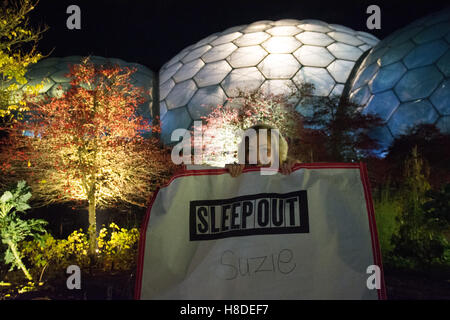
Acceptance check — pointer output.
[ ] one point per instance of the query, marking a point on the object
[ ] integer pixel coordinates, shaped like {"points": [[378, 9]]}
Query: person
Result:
{"points": [[286, 163]]}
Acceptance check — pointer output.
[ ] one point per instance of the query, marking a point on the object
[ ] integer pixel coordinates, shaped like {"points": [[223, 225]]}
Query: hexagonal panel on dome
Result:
{"points": [[361, 95], [60, 76], [180, 94], [251, 39], [319, 77], [418, 83], [395, 54], [444, 64], [411, 113], [425, 54], [432, 33], [197, 53], [189, 70], [345, 51], [441, 98], [174, 119], [242, 78], [247, 57], [363, 77], [288, 30], [169, 72], [39, 73], [165, 88], [345, 38], [212, 73], [314, 38], [279, 66], [273, 55], [218, 53], [444, 124], [281, 44], [383, 105], [205, 100], [313, 56], [340, 70], [387, 77], [226, 38], [314, 25]]}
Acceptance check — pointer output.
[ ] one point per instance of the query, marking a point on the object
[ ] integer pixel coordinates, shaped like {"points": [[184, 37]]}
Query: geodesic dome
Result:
{"points": [[405, 79], [272, 55], [50, 72]]}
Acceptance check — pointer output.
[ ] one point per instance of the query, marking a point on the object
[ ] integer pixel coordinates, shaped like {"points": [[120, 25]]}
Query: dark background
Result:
{"points": [[152, 32]]}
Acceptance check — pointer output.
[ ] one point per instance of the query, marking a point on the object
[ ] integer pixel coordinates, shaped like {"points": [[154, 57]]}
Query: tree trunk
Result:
{"points": [[92, 226]]}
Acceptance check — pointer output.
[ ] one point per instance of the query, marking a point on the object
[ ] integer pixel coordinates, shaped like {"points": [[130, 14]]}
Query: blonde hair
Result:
{"points": [[282, 144]]}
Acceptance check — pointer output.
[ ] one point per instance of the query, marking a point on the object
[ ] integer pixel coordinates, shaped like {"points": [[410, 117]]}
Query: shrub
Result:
{"points": [[386, 215], [419, 242], [117, 250]]}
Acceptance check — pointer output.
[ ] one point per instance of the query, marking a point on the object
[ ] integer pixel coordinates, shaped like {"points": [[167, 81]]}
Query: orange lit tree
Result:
{"points": [[87, 145]]}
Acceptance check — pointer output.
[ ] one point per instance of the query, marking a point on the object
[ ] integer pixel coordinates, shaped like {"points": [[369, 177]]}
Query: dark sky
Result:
{"points": [[151, 32]]}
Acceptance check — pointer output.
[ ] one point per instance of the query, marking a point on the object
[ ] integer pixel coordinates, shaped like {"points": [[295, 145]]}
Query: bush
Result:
{"points": [[117, 250], [419, 242], [386, 215]]}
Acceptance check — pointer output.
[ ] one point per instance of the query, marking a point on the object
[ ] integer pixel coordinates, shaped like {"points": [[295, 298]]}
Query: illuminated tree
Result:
{"points": [[87, 145], [15, 34]]}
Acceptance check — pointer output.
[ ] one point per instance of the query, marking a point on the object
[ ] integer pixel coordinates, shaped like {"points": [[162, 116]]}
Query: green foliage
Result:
{"points": [[437, 208], [419, 241], [13, 229], [117, 250], [57, 253], [15, 36], [387, 210], [118, 247]]}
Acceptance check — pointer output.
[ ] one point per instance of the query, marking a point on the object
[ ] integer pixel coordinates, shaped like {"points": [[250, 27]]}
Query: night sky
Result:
{"points": [[152, 32]]}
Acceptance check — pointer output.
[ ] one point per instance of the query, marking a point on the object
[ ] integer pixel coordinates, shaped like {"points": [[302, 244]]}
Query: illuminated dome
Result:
{"points": [[273, 56], [50, 72], [405, 79]]}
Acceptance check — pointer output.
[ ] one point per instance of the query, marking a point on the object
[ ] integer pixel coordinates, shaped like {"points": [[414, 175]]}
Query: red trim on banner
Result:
{"points": [[373, 229], [184, 173], [141, 247]]}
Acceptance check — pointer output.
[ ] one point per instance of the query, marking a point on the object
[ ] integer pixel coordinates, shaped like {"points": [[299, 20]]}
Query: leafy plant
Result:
{"points": [[419, 239], [387, 210], [117, 249], [437, 208], [18, 46], [13, 229]]}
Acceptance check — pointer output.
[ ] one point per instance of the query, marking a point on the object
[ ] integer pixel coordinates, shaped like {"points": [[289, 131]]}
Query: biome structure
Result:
{"points": [[405, 78]]}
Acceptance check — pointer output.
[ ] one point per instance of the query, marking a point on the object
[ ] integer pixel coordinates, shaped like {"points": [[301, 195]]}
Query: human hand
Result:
{"points": [[286, 167], [234, 169]]}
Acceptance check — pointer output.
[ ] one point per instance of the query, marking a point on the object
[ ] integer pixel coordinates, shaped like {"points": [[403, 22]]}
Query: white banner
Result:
{"points": [[307, 235]]}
